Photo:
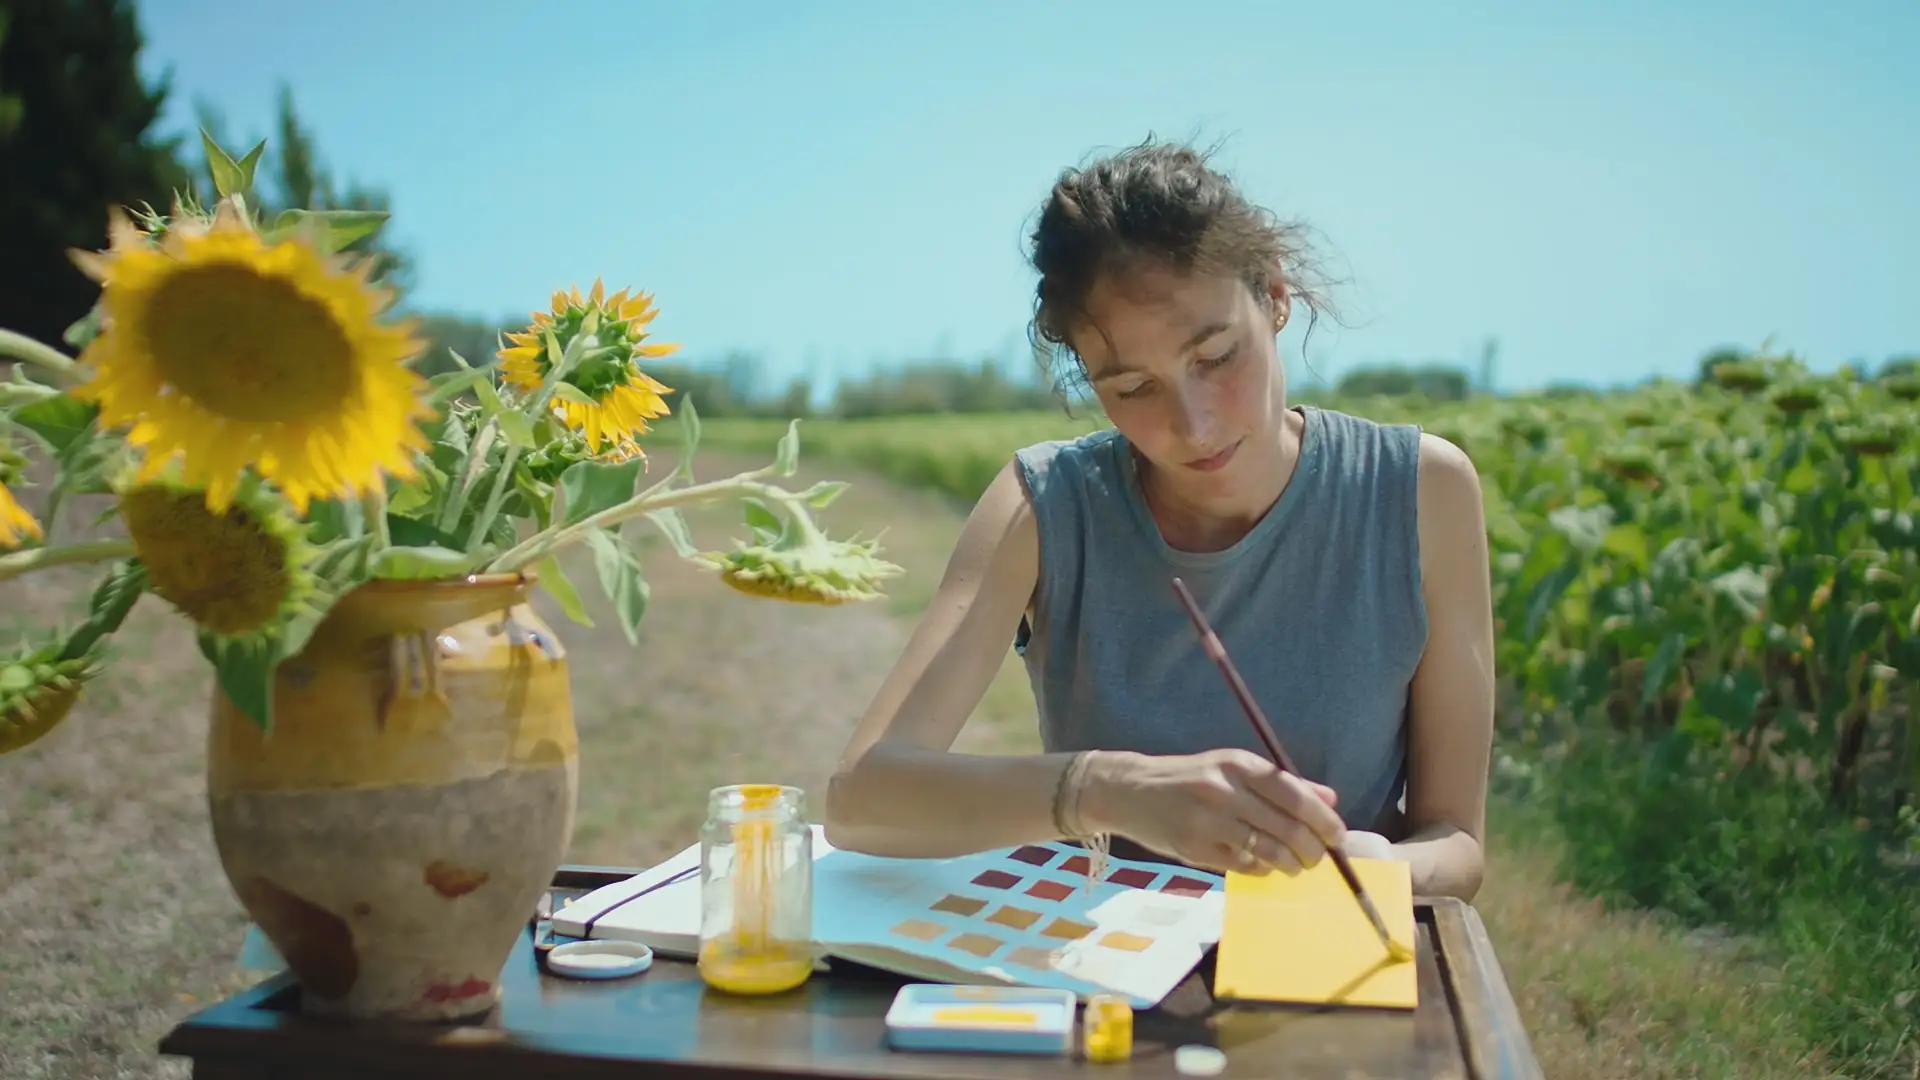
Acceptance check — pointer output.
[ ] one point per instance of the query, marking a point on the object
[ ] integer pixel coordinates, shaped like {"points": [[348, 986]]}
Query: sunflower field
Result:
{"points": [[1729, 569], [1708, 612]]}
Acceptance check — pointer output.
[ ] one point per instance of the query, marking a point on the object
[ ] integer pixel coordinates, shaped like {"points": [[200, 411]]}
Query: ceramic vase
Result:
{"points": [[393, 830]]}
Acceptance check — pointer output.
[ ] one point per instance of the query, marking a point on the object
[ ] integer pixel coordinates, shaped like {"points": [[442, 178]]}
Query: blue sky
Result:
{"points": [[1608, 189]]}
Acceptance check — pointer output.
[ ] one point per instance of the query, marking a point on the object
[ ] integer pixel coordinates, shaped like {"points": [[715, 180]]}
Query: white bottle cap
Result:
{"points": [[1197, 1060], [604, 959]]}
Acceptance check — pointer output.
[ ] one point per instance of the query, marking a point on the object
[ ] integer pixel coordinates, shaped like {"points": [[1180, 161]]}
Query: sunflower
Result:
{"points": [[801, 566], [15, 523], [222, 351], [36, 693], [238, 571], [622, 397]]}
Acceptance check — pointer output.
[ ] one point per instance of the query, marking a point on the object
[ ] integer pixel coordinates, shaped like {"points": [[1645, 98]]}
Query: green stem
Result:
{"points": [[24, 393], [89, 551], [22, 347], [476, 461], [552, 539], [374, 506], [484, 520]]}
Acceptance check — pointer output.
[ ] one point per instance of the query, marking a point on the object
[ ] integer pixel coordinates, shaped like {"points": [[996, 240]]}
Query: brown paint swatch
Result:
{"points": [[959, 905], [1037, 856], [919, 930], [1018, 918], [996, 879], [1077, 865], [1049, 890], [977, 944], [1028, 956], [1132, 877], [1120, 939], [1186, 886], [1067, 929]]}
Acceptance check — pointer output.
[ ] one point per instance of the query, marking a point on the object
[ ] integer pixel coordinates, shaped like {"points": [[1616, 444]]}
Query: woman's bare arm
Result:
{"points": [[899, 790], [1452, 697]]}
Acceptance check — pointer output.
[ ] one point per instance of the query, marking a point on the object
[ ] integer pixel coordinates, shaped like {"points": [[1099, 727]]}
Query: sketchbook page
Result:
{"points": [[1302, 938], [666, 920], [1024, 916]]}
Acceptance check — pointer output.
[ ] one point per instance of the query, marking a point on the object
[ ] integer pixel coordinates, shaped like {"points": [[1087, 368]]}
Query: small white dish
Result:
{"points": [[605, 959]]}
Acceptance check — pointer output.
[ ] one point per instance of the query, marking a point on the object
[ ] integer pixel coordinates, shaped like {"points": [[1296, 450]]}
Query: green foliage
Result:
{"points": [[1708, 608], [75, 139]]}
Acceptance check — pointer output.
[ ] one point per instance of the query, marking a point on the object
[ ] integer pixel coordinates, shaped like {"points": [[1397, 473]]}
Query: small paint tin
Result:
{"points": [[1106, 1029], [604, 959], [982, 1019]]}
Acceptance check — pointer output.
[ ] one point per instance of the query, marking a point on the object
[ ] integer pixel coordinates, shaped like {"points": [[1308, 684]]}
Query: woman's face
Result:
{"points": [[1186, 370]]}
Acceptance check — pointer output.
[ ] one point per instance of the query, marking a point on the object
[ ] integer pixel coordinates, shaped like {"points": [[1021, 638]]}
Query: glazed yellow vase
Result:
{"points": [[393, 832]]}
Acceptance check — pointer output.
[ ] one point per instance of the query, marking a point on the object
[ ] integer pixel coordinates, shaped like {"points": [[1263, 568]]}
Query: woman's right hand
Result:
{"points": [[1220, 810]]}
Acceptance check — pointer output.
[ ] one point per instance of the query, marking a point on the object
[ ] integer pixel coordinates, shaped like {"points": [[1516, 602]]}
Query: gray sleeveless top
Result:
{"points": [[1319, 605]]}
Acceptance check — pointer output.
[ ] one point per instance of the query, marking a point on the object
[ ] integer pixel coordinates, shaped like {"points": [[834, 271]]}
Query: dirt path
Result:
{"points": [[118, 921]]}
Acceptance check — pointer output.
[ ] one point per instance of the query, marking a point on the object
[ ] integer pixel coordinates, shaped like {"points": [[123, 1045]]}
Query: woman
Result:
{"points": [[1343, 563]]}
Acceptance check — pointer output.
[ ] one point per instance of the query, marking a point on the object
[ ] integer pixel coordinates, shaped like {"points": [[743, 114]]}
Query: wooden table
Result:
{"points": [[666, 1023]]}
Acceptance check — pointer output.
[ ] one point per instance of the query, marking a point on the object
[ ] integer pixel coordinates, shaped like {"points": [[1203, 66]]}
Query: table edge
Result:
{"points": [[1502, 1050]]}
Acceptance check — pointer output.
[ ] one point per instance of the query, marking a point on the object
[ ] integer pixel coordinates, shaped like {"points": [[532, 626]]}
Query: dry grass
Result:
{"points": [[119, 922]]}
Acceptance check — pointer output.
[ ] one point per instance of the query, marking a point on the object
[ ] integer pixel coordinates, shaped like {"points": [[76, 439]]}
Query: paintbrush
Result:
{"points": [[1210, 641]]}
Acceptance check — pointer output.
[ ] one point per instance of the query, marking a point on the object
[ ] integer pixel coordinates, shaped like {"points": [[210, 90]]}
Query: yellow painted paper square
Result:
{"points": [[1302, 937]]}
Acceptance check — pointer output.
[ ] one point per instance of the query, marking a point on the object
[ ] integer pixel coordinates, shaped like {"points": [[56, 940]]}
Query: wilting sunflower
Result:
{"points": [[222, 351], [36, 693], [236, 571], [800, 565], [623, 397]]}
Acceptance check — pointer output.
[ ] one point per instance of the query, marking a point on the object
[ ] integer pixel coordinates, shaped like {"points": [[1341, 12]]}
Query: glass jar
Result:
{"points": [[756, 889]]}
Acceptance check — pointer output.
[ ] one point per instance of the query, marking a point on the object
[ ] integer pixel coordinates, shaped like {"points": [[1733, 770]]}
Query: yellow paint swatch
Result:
{"points": [[1303, 938]]}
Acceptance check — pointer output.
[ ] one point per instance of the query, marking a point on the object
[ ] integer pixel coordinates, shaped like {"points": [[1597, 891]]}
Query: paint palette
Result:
{"points": [[1026, 916]]}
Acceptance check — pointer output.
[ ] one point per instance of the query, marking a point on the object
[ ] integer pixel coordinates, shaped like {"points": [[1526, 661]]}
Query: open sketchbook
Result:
{"points": [[1018, 916]]}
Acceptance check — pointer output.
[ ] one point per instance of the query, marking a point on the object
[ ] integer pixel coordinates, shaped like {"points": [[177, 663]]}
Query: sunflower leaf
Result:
{"points": [[249, 163], [60, 420], [822, 494], [592, 486], [451, 384], [422, 563], [560, 587], [619, 570], [513, 423], [689, 435], [332, 230], [674, 528], [244, 669], [759, 517], [572, 393], [228, 176], [786, 458]]}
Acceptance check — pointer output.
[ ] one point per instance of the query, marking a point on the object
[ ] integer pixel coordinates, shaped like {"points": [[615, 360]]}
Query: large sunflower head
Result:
{"points": [[238, 571], [220, 350], [16, 525], [615, 397]]}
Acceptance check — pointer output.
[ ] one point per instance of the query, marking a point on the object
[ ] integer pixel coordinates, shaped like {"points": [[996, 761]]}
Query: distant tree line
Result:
{"points": [[77, 136]]}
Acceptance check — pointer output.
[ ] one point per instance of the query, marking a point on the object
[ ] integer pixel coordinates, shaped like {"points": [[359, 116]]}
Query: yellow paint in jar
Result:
{"points": [[1107, 1029], [756, 884]]}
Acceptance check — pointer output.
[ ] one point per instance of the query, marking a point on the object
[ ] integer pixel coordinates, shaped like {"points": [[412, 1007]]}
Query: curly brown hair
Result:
{"points": [[1154, 204]]}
